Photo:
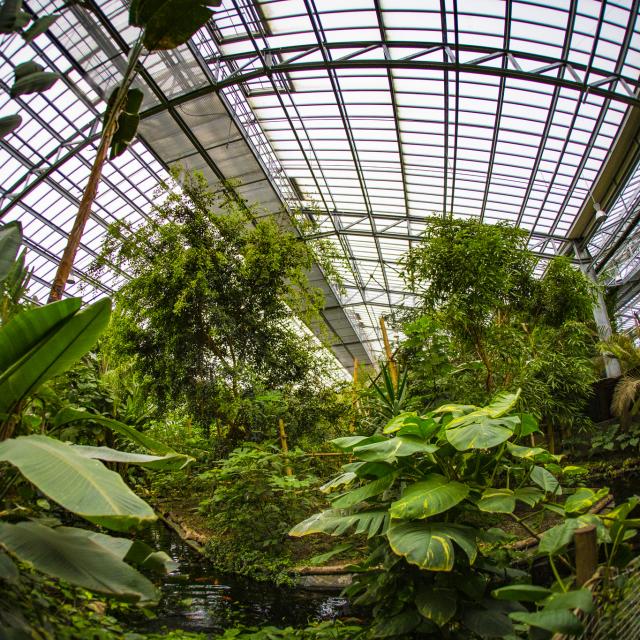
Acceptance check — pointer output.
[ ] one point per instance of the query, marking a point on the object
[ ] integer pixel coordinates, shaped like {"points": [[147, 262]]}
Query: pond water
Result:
{"points": [[197, 598]]}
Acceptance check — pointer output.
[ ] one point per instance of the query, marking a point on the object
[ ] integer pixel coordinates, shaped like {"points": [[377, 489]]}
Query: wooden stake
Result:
{"points": [[354, 396], [283, 444], [387, 348], [586, 553]]}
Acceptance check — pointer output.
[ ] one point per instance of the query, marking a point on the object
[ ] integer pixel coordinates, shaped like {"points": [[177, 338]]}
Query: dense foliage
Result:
{"points": [[485, 322], [207, 315], [434, 496]]}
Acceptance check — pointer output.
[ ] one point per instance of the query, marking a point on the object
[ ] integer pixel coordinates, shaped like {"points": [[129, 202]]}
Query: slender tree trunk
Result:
{"points": [[91, 190]]}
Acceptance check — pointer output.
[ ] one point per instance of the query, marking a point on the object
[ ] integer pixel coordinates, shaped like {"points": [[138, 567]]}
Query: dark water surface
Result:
{"points": [[197, 598]]}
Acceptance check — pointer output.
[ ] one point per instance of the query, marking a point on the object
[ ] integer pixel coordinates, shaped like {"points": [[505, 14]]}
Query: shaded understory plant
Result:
{"points": [[434, 495]]}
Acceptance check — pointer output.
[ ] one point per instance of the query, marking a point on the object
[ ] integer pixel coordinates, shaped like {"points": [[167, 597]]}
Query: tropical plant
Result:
{"points": [[253, 498], [207, 315], [626, 396], [426, 494], [485, 322], [36, 345]]}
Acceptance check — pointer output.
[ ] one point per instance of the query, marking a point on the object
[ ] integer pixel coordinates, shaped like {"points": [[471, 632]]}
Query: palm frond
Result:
{"points": [[625, 394]]}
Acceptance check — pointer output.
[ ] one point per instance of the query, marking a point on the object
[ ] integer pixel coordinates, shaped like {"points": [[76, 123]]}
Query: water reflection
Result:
{"points": [[196, 598]]}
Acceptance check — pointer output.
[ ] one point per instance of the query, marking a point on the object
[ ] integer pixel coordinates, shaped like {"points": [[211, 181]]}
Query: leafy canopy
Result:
{"points": [[208, 312]]}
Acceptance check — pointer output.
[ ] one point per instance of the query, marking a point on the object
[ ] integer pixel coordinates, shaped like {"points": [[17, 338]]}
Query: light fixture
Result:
{"points": [[601, 214]]}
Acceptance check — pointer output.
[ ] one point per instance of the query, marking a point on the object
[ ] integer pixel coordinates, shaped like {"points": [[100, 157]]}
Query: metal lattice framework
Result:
{"points": [[368, 116]]}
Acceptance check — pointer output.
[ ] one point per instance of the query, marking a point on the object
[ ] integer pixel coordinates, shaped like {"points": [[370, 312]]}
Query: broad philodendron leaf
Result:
{"points": [[54, 353], [546, 480], [497, 501], [557, 538], [553, 620], [522, 593], [8, 570], [437, 604], [583, 499], [85, 487], [338, 481], [530, 453], [390, 449], [430, 546], [528, 424], [334, 522], [482, 433], [529, 495], [501, 405], [396, 625], [348, 443], [364, 492], [435, 494], [78, 560], [9, 124], [10, 240], [580, 599], [170, 23], [169, 462]]}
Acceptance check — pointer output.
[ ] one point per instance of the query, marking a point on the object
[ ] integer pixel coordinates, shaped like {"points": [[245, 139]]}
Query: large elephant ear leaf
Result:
{"points": [[55, 353], [430, 546], [80, 485], [169, 23], [77, 559], [10, 240]]}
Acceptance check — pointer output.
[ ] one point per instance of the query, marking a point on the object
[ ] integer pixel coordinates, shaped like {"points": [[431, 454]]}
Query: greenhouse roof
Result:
{"points": [[369, 115]]}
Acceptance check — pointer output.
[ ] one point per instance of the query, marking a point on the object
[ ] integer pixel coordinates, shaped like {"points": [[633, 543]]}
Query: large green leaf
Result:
{"points": [[396, 625], [348, 443], [500, 405], [26, 329], [555, 539], [583, 499], [334, 522], [437, 604], [10, 240], [76, 559], [339, 481], [68, 415], [60, 348], [529, 495], [522, 592], [364, 492], [430, 546], [497, 501], [482, 433], [9, 124], [85, 487], [169, 462], [579, 599], [546, 480], [131, 551], [170, 23], [393, 448], [553, 620], [435, 494]]}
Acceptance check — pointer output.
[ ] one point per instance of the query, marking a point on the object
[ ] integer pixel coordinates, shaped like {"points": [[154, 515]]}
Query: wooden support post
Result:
{"points": [[354, 396], [387, 348], [283, 444], [586, 553]]}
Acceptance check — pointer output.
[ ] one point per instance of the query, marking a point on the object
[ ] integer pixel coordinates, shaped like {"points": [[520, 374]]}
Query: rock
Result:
{"points": [[324, 582]]}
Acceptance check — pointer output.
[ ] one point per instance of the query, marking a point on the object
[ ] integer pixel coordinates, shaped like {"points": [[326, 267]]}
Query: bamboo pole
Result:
{"points": [[354, 396], [387, 348], [283, 444]]}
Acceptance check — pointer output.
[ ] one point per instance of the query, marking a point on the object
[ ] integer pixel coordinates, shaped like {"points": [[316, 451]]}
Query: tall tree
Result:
{"points": [[209, 310]]}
